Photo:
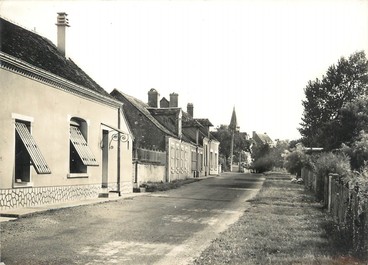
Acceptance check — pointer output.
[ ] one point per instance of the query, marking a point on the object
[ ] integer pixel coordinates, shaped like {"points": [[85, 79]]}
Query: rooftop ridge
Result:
{"points": [[18, 66]]}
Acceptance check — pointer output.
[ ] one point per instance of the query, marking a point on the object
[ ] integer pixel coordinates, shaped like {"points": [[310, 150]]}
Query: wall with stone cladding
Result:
{"points": [[25, 197]]}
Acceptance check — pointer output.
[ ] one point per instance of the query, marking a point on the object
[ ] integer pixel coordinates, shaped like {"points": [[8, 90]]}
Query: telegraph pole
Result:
{"points": [[231, 150]]}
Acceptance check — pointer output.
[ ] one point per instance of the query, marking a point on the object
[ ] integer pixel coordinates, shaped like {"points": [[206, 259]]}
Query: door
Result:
{"points": [[105, 158]]}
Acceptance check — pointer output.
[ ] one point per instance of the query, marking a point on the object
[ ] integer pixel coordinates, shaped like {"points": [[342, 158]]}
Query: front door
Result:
{"points": [[105, 158]]}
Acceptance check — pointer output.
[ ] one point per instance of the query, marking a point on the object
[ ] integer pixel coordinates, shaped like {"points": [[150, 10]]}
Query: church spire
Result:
{"points": [[233, 123], [233, 128]]}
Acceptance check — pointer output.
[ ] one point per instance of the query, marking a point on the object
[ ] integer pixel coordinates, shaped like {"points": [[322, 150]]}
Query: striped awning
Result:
{"points": [[38, 161], [80, 144]]}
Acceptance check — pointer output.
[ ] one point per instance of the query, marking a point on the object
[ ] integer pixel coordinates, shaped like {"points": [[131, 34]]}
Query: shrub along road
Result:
{"points": [[284, 225], [170, 227]]}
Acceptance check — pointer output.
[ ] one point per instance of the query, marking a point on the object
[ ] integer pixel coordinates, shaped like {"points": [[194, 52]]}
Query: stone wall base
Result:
{"points": [[35, 196]]}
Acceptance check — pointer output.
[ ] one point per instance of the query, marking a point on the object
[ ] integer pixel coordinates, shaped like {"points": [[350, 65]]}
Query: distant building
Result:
{"points": [[169, 143], [262, 138]]}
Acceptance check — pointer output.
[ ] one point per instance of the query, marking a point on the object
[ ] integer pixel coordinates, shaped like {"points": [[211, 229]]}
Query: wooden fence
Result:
{"points": [[150, 156], [347, 205]]}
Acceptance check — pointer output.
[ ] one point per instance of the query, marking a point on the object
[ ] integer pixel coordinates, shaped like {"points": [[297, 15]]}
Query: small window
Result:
{"points": [[80, 154], [27, 153]]}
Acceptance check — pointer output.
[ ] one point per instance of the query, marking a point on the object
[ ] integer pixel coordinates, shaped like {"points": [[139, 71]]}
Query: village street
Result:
{"points": [[160, 228]]}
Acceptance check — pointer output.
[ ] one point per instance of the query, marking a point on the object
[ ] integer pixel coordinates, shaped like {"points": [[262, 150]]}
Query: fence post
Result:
{"points": [[330, 178]]}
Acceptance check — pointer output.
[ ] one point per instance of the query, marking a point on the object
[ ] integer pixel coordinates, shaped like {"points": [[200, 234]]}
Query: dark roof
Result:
{"points": [[142, 107], [204, 122], [262, 137], [42, 53], [164, 111], [191, 123], [168, 117]]}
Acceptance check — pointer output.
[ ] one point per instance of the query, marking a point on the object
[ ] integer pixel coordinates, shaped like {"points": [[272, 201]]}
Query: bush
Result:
{"points": [[295, 161], [263, 164], [358, 152], [332, 163]]}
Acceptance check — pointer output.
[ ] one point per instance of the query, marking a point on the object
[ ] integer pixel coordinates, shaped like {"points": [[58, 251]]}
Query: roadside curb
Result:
{"points": [[13, 214]]}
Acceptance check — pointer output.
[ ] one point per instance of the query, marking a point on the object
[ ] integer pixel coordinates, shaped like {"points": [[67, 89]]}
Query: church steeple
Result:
{"points": [[233, 123], [233, 128]]}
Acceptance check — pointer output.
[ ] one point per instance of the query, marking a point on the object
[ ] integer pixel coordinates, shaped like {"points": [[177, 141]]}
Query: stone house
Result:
{"points": [[62, 136]]}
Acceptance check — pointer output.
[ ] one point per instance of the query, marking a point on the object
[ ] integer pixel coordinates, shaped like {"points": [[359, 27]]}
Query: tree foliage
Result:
{"points": [[295, 161], [223, 133], [358, 152], [328, 98]]}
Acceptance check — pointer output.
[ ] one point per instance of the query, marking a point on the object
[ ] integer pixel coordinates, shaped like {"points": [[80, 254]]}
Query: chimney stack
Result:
{"points": [[153, 96], [190, 109], [173, 100], [62, 23], [164, 103]]}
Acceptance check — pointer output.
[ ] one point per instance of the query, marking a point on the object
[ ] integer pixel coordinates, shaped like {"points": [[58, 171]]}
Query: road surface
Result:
{"points": [[171, 227]]}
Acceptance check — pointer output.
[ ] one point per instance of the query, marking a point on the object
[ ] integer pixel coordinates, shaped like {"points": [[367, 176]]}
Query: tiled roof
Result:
{"points": [[263, 138], [204, 122], [164, 111], [142, 107], [42, 53], [191, 123], [168, 117]]}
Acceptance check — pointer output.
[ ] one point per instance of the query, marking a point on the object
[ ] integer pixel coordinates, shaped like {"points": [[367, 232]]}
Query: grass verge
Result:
{"points": [[283, 225], [162, 186]]}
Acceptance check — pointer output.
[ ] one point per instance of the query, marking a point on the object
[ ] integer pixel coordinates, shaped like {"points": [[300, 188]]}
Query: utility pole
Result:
{"points": [[231, 150]]}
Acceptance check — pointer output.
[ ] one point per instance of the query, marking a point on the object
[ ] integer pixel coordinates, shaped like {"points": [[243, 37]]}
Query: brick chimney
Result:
{"points": [[61, 23], [174, 98], [153, 96], [164, 103], [190, 109]]}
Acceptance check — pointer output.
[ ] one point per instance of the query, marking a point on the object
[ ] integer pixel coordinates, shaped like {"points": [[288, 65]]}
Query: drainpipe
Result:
{"points": [[209, 160], [119, 158]]}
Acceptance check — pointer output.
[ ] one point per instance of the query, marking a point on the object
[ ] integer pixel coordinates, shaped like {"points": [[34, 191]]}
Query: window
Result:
{"points": [[182, 158], [80, 154], [27, 154], [172, 153], [177, 156]]}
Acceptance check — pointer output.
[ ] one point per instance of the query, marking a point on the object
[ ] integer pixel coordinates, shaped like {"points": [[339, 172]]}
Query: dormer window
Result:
{"points": [[81, 155]]}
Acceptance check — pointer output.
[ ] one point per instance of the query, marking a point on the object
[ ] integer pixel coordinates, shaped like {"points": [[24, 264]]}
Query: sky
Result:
{"points": [[256, 56]]}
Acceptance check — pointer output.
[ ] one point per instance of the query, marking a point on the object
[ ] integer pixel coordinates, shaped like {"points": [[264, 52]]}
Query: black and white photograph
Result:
{"points": [[186, 132]]}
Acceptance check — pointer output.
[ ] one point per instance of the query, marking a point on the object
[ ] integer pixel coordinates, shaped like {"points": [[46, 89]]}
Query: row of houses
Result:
{"points": [[63, 137]]}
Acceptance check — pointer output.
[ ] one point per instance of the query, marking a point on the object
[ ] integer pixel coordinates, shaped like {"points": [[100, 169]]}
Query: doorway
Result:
{"points": [[105, 158]]}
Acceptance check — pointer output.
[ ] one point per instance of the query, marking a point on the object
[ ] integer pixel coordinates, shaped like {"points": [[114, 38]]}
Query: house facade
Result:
{"points": [[62, 137], [161, 128]]}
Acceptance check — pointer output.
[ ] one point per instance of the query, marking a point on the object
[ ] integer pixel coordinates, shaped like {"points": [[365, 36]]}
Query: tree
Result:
{"points": [[325, 99], [276, 153], [295, 161], [353, 120], [223, 135], [358, 152]]}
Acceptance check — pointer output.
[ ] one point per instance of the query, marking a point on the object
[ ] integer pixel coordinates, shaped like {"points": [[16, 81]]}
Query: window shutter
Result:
{"points": [[80, 144], [38, 161]]}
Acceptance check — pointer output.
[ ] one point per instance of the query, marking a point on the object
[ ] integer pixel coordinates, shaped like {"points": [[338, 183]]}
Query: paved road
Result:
{"points": [[170, 227]]}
